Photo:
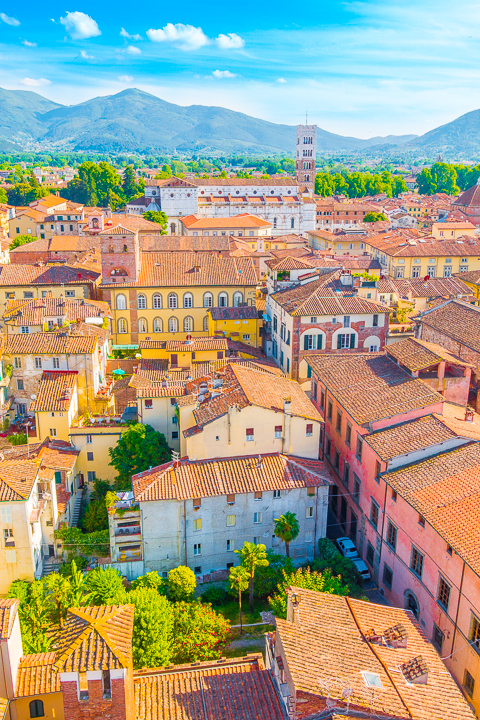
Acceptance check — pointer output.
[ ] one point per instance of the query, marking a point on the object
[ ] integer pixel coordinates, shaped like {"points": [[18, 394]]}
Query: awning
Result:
{"points": [[125, 347]]}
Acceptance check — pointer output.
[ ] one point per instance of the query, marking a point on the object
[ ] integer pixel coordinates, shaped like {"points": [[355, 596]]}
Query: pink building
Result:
{"points": [[407, 489]]}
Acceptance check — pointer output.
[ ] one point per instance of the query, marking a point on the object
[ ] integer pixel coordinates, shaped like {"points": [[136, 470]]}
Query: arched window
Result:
{"points": [[208, 300], [158, 325], [95, 222], [141, 302], [237, 299], [205, 323], [188, 300], [188, 324], [172, 229], [142, 325], [275, 223], [172, 301], [125, 248], [157, 301], [122, 326], [223, 300], [292, 223], [36, 709], [121, 302], [173, 325]]}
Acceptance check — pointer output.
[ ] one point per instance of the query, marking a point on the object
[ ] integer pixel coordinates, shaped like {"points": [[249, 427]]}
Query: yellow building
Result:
{"points": [[182, 354], [30, 221], [93, 438], [237, 323], [348, 243], [19, 282], [452, 230], [472, 280], [56, 405]]}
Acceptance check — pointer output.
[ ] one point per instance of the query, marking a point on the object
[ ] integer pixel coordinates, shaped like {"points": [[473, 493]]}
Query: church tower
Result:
{"points": [[306, 157]]}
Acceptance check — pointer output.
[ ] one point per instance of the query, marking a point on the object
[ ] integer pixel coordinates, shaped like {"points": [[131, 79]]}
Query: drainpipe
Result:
{"points": [[287, 404], [383, 527], [185, 528], [315, 528], [458, 607]]}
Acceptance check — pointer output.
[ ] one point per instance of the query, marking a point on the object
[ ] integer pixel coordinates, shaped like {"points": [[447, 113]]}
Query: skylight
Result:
{"points": [[372, 680]]}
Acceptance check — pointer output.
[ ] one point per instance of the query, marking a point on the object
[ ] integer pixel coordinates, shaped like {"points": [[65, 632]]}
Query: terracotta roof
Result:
{"points": [[244, 182], [243, 220], [313, 298], [13, 274], [398, 246], [156, 391], [457, 320], [225, 476], [34, 312], [445, 489], [417, 354], [57, 244], [242, 312], [3, 707], [183, 243], [472, 276], [131, 222], [96, 638], [55, 392], [455, 226], [331, 645], [17, 479], [433, 287], [8, 612], [50, 343], [186, 270], [291, 263], [410, 437], [49, 201], [454, 417], [227, 689], [469, 198], [37, 675], [371, 386], [197, 344]]}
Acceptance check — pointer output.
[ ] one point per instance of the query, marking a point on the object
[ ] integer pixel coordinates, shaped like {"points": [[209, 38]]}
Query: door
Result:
{"points": [[353, 526], [51, 551], [174, 360], [343, 512]]}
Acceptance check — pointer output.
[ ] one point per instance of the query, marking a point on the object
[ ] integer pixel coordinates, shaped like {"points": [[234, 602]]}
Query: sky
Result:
{"points": [[358, 68]]}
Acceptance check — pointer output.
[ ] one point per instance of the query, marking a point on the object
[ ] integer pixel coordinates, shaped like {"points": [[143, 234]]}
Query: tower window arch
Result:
{"points": [[292, 223], [223, 300], [141, 302], [237, 299], [121, 302], [36, 709], [205, 323], [275, 223]]}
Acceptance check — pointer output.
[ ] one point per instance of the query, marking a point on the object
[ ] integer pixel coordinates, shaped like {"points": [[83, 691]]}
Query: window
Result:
{"points": [[378, 470], [309, 512], [142, 325], [338, 426], [197, 524], [175, 435], [449, 550], [53, 432], [249, 435], [345, 340], [197, 549], [17, 363], [56, 363], [468, 683], [374, 513], [431, 271], [336, 460], [375, 321], [230, 545], [356, 488], [257, 518], [122, 328], [474, 634], [157, 325], [36, 709], [277, 494], [20, 384], [348, 434], [421, 521], [230, 520], [157, 301], [387, 577], [346, 321], [443, 593], [346, 475], [237, 299], [416, 562], [205, 323], [188, 324], [309, 430], [258, 495], [223, 300], [141, 302], [8, 538], [121, 302], [24, 329], [391, 536], [173, 325], [197, 569], [246, 337], [231, 499], [172, 301], [394, 495], [312, 342], [330, 410], [188, 300], [370, 553], [208, 300], [88, 439], [90, 456], [437, 638], [359, 450], [196, 502], [107, 686]]}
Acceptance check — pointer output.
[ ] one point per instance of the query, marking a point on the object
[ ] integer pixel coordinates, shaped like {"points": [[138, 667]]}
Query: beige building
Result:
{"points": [[243, 225], [452, 230], [93, 438], [52, 313], [27, 282], [56, 404]]}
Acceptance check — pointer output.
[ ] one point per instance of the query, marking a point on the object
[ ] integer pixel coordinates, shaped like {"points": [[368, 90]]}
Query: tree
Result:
{"points": [[374, 217], [151, 580], [3, 195], [157, 217], [181, 583], [287, 529], [239, 580], [266, 578], [130, 187], [58, 587], [78, 191], [152, 627], [139, 448], [199, 632], [252, 556], [105, 586], [22, 240], [96, 516], [35, 618], [304, 578]]}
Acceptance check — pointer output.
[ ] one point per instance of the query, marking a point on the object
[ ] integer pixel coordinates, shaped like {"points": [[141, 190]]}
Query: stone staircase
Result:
{"points": [[76, 508]]}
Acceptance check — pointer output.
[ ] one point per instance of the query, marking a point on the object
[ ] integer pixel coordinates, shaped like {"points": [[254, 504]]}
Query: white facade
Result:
{"points": [[306, 156]]}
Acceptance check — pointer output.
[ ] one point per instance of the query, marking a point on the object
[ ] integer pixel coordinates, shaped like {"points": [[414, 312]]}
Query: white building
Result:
{"points": [[196, 513], [305, 161]]}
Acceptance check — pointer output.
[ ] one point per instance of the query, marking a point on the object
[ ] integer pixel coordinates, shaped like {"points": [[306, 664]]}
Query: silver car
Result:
{"points": [[347, 547]]}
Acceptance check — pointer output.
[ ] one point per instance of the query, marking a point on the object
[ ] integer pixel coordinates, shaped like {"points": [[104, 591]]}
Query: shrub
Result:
{"points": [[181, 583], [304, 578], [215, 595], [268, 577], [106, 586], [199, 632], [151, 580], [152, 627]]}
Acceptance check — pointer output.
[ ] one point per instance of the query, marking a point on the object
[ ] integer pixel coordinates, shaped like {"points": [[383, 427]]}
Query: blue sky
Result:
{"points": [[359, 68]]}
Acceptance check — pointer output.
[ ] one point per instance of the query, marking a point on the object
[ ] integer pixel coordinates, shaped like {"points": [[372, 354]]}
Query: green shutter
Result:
{"points": [[309, 371], [58, 477], [305, 342], [352, 340], [319, 342], [339, 342]]}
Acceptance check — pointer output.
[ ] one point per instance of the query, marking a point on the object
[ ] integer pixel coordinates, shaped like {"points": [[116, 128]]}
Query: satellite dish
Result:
{"points": [[33, 397]]}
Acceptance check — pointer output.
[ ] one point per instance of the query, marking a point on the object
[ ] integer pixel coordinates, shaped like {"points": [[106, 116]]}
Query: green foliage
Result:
{"points": [[287, 529], [157, 217], [18, 439], [440, 178], [304, 578], [131, 188], [151, 580], [181, 583], [252, 557], [342, 568], [327, 549], [199, 632], [25, 190], [95, 516], [215, 595], [139, 448], [152, 627], [76, 543], [35, 618], [78, 562], [3, 195], [19, 589], [358, 184], [374, 217], [105, 586], [22, 240], [268, 577]]}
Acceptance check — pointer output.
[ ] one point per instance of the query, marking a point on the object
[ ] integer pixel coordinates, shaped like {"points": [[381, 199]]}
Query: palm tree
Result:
{"points": [[287, 529], [239, 579], [252, 556]]}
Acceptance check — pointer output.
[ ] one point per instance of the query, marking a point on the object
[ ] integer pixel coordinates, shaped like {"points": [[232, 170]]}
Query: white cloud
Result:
{"points": [[125, 34], [281, 81], [39, 82], [132, 50], [125, 78], [230, 41], [186, 37], [9, 20], [223, 74], [86, 56], [27, 43], [80, 26]]}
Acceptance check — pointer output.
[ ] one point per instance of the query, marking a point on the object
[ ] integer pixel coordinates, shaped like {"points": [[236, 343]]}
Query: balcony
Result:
{"points": [[124, 533]]}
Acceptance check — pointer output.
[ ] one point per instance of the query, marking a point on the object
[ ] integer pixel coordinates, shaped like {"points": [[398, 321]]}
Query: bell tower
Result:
{"points": [[306, 157], [121, 257]]}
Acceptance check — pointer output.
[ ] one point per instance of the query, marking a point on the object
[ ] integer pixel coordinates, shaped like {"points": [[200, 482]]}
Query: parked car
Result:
{"points": [[362, 568], [347, 547]]}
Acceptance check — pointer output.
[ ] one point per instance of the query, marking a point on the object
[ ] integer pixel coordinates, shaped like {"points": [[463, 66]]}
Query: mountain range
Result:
{"points": [[133, 120]]}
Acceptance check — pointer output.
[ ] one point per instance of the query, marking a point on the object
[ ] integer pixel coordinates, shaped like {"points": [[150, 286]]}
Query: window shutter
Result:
{"points": [[339, 342], [58, 477], [352, 340], [319, 342], [305, 342]]}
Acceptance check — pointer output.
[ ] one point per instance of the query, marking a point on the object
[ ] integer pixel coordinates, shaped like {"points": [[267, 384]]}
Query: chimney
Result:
{"points": [[469, 415], [293, 606], [415, 671]]}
